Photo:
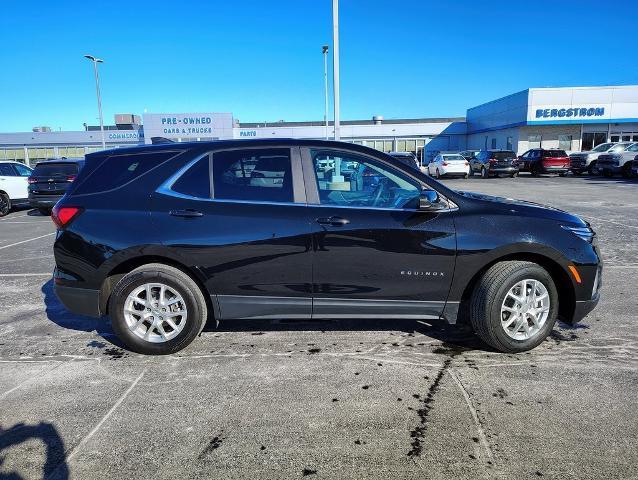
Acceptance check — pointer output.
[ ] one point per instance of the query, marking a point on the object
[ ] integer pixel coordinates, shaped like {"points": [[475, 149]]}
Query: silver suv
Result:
{"points": [[586, 161]]}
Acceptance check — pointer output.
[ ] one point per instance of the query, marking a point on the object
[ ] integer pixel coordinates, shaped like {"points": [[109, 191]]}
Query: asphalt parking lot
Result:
{"points": [[341, 399]]}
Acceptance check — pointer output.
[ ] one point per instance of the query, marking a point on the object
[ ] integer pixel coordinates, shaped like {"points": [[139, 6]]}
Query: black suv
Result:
{"points": [[49, 181], [163, 237], [494, 162]]}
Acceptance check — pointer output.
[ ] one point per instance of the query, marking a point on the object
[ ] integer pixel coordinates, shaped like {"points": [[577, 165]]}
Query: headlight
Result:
{"points": [[586, 233]]}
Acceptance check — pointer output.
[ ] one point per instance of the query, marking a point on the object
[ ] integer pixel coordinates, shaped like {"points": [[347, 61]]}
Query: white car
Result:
{"points": [[14, 187], [587, 161], [618, 162], [449, 164]]}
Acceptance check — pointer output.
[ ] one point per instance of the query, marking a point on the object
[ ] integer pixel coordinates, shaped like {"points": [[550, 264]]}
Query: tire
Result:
{"points": [[592, 168], [534, 170], [562, 174], [177, 281], [466, 176], [437, 174], [626, 170], [484, 173], [5, 204], [513, 175], [488, 297]]}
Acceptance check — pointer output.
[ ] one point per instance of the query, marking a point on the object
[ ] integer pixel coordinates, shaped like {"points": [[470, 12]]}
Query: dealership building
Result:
{"points": [[570, 118]]}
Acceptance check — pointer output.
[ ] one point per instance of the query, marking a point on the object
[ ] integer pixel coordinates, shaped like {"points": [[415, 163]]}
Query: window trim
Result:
{"points": [[298, 191]]}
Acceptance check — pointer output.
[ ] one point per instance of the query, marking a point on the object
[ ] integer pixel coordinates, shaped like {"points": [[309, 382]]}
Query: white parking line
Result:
{"points": [[17, 216], [25, 274], [25, 241], [76, 449]]}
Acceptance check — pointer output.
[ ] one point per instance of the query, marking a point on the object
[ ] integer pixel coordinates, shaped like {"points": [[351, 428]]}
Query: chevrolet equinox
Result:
{"points": [[163, 237]]}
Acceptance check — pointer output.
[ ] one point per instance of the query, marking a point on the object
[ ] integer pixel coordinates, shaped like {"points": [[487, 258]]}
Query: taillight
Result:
{"points": [[493, 160], [466, 163], [70, 178], [31, 180], [62, 216], [445, 164]]}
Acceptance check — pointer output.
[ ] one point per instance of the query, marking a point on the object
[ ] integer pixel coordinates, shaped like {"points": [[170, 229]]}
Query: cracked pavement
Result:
{"points": [[346, 399]]}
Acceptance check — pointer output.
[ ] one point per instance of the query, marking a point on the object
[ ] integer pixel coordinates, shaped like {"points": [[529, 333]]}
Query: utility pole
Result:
{"points": [[335, 65], [325, 85], [97, 89]]}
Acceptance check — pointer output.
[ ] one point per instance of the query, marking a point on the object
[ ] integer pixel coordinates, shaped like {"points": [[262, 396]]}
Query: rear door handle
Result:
{"points": [[188, 213], [333, 221]]}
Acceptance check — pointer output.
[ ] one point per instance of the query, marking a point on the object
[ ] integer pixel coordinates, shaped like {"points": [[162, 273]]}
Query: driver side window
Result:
{"points": [[344, 179]]}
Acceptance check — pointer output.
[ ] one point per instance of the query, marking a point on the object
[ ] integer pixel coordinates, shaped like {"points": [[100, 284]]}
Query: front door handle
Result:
{"points": [[333, 221], [188, 213]]}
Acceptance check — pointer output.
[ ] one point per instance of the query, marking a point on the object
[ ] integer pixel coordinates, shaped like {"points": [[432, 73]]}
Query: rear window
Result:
{"points": [[53, 169], [554, 153], [502, 155], [453, 157], [118, 170]]}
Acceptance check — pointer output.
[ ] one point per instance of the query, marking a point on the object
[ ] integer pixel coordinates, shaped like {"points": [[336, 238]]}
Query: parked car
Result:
{"points": [[586, 161], [469, 154], [494, 163], [542, 160], [49, 181], [407, 158], [449, 164], [618, 162], [13, 185], [159, 239], [634, 167]]}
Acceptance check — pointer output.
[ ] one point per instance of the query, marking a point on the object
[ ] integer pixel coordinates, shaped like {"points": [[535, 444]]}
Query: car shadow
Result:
{"points": [[458, 336], [54, 467], [58, 314]]}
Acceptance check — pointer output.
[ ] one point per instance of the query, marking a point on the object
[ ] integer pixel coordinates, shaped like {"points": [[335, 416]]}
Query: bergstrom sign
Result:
{"points": [[579, 112], [188, 126]]}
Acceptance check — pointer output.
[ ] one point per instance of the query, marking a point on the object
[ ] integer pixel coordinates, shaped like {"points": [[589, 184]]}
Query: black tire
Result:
{"points": [[488, 296], [177, 280], [592, 168], [5, 204], [534, 170], [626, 170], [562, 174], [514, 175], [437, 174], [484, 173]]}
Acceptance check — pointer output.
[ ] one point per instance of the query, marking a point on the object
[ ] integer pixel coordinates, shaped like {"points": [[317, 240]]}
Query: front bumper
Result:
{"points": [[82, 301], [583, 307], [613, 169]]}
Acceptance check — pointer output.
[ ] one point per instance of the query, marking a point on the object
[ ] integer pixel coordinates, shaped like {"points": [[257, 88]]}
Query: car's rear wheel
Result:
{"points": [[5, 204], [626, 170], [484, 173], [438, 174], [157, 309], [514, 306]]}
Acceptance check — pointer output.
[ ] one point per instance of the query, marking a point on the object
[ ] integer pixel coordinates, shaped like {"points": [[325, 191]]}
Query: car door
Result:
{"points": [[476, 162], [375, 254], [239, 217], [12, 183], [524, 161]]}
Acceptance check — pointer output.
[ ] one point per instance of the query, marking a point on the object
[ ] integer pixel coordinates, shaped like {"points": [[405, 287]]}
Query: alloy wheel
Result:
{"points": [[525, 309], [155, 312]]}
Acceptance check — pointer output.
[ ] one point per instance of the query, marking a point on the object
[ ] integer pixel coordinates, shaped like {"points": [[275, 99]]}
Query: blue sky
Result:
{"points": [[261, 60]]}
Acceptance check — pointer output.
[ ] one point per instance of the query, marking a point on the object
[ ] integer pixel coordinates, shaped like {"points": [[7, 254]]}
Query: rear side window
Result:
{"points": [[253, 175], [195, 182], [6, 170], [52, 169], [118, 170]]}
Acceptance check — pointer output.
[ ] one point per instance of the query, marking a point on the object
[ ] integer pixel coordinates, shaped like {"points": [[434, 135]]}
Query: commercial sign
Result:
{"points": [[129, 135], [188, 126], [579, 112]]}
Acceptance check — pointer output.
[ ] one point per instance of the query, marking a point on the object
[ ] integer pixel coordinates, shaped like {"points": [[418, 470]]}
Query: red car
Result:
{"points": [[541, 160]]}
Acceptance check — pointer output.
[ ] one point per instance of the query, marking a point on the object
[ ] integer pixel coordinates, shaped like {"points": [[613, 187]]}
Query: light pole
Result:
{"points": [[97, 89], [325, 85], [335, 64]]}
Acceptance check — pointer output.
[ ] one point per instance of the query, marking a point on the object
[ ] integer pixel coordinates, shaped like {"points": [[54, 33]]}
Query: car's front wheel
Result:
{"points": [[157, 309], [514, 306]]}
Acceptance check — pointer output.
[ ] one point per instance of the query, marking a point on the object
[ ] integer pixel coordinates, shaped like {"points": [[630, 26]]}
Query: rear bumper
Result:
{"points": [[555, 169], [609, 168], [82, 301], [508, 170], [42, 201]]}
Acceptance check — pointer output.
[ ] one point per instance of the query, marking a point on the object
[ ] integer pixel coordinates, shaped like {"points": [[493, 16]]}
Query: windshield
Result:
{"points": [[453, 157], [603, 147], [633, 148], [619, 147]]}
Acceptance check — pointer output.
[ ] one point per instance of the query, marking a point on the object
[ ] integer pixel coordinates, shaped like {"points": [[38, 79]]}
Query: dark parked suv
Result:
{"points": [[494, 163], [49, 181], [163, 237]]}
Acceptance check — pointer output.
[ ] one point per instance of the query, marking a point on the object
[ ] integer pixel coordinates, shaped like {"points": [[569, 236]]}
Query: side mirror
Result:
{"points": [[428, 199]]}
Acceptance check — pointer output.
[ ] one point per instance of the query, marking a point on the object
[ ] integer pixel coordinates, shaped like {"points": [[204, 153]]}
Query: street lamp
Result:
{"points": [[335, 64], [95, 61], [325, 85]]}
